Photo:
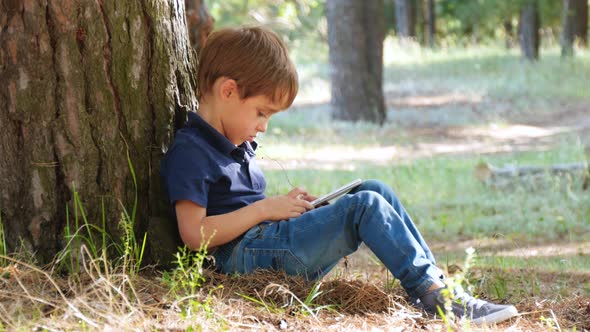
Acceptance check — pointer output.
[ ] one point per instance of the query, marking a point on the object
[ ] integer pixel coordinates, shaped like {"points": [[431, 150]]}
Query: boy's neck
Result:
{"points": [[207, 112]]}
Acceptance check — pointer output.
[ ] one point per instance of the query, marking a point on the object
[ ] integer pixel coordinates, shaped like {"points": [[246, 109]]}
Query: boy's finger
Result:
{"points": [[307, 205], [297, 192]]}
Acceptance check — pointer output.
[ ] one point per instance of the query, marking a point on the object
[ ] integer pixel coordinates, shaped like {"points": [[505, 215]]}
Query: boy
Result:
{"points": [[217, 190]]}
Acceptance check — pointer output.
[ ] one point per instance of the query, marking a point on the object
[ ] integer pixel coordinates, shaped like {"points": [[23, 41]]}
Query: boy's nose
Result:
{"points": [[262, 126]]}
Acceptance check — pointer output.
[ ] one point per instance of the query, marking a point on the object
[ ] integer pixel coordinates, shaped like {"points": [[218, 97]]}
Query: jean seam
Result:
{"points": [[253, 250]]}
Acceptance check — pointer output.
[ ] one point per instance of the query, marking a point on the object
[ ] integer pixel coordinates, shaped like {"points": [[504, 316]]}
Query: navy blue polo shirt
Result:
{"points": [[203, 166]]}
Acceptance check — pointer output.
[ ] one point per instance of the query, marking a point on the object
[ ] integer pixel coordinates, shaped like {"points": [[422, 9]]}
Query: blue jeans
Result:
{"points": [[313, 243]]}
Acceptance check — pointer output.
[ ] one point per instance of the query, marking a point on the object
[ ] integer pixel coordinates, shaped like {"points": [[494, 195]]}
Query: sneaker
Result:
{"points": [[466, 306]]}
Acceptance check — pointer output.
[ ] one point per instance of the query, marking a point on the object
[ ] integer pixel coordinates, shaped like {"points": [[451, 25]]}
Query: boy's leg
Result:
{"points": [[314, 242], [387, 193]]}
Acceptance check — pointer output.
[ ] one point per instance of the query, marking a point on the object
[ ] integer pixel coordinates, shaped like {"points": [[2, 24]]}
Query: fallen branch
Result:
{"points": [[502, 175]]}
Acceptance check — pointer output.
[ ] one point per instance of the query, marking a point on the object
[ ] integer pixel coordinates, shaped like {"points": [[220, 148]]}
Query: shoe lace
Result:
{"points": [[469, 301]]}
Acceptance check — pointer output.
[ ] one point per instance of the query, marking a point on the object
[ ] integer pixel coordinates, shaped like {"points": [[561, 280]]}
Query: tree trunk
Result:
{"points": [[580, 24], [509, 31], [355, 36], [200, 23], [405, 18], [529, 25], [86, 87], [567, 32], [431, 23]]}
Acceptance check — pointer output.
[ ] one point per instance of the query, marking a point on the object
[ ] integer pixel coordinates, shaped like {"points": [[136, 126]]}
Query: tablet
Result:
{"points": [[336, 193]]}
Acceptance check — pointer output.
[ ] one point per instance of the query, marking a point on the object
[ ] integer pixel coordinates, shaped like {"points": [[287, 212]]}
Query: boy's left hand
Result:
{"points": [[306, 197], [302, 194]]}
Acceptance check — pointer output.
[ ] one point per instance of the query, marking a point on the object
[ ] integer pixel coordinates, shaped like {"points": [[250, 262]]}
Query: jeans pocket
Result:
{"points": [[273, 259], [257, 231]]}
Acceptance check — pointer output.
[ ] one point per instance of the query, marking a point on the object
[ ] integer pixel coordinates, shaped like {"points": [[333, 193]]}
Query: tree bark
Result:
{"points": [[405, 18], [431, 23], [529, 25], [567, 32], [86, 87], [509, 31], [200, 23], [355, 36], [580, 21]]}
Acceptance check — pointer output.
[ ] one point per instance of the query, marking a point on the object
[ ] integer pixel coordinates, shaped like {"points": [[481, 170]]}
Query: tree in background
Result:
{"points": [[528, 29], [580, 26], [430, 23], [355, 37], [199, 22], [86, 88], [567, 33], [405, 18], [574, 25]]}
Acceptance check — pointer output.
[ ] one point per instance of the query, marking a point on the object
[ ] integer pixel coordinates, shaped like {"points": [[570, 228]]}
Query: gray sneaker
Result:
{"points": [[464, 305]]}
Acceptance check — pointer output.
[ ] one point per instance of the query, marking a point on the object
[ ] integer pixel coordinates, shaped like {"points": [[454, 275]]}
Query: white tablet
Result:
{"points": [[336, 193]]}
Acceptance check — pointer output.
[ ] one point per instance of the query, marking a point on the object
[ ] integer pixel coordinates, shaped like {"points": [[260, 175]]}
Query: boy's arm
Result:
{"points": [[223, 228]]}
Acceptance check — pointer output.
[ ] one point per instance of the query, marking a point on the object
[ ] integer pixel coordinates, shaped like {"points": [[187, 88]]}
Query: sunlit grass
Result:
{"points": [[482, 70], [448, 202]]}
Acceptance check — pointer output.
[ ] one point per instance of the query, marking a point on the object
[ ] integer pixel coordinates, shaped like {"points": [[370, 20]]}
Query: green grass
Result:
{"points": [[491, 70], [448, 203]]}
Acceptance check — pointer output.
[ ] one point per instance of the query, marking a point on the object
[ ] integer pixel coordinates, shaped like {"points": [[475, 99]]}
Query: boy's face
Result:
{"points": [[247, 117]]}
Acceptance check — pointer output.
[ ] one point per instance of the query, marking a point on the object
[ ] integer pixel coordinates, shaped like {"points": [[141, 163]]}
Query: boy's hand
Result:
{"points": [[292, 205]]}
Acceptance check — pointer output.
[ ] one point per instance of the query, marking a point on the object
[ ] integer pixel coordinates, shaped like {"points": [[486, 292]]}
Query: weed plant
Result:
{"points": [[291, 303], [79, 231], [187, 277], [184, 284]]}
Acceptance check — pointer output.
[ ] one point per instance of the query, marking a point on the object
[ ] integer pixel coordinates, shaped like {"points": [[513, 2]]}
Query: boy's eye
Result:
{"points": [[261, 114]]}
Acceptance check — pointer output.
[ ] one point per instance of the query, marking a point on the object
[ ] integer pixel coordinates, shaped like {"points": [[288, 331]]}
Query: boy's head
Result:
{"points": [[255, 58]]}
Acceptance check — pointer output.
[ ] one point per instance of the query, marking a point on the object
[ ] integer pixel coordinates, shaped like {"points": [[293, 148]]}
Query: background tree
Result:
{"points": [[580, 21], [529, 30], [430, 23], [199, 22], [405, 18], [87, 86], [574, 25], [355, 37], [567, 33]]}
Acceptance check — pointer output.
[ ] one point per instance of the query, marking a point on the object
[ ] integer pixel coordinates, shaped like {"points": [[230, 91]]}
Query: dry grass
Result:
{"points": [[103, 298]]}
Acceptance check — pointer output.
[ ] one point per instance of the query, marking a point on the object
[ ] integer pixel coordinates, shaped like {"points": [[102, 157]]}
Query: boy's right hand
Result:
{"points": [[286, 206]]}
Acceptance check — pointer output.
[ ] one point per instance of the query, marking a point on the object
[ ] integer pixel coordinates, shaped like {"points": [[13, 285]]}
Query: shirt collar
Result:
{"points": [[220, 142]]}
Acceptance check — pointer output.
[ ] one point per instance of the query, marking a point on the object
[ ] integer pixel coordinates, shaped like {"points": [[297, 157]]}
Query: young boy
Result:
{"points": [[217, 190]]}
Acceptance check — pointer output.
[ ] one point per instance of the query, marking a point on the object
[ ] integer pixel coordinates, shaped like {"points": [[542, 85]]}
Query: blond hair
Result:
{"points": [[255, 58]]}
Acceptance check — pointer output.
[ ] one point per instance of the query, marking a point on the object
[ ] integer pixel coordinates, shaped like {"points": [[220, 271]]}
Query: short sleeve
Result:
{"points": [[185, 174]]}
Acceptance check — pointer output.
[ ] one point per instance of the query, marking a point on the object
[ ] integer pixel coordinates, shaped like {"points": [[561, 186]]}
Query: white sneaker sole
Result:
{"points": [[497, 316]]}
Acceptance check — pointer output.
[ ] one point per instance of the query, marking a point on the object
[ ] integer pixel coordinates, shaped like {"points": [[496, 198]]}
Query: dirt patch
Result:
{"points": [[496, 121], [427, 124]]}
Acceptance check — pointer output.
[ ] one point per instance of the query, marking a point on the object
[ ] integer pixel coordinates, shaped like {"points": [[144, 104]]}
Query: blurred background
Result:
{"points": [[477, 112]]}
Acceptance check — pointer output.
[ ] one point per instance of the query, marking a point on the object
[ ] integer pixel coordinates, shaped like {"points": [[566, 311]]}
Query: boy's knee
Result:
{"points": [[374, 185], [367, 198], [381, 188]]}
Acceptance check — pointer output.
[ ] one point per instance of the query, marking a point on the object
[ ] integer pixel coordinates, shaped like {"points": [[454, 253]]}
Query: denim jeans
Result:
{"points": [[312, 244]]}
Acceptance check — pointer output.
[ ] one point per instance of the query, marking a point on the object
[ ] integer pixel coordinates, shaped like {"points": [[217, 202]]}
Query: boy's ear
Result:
{"points": [[228, 88]]}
